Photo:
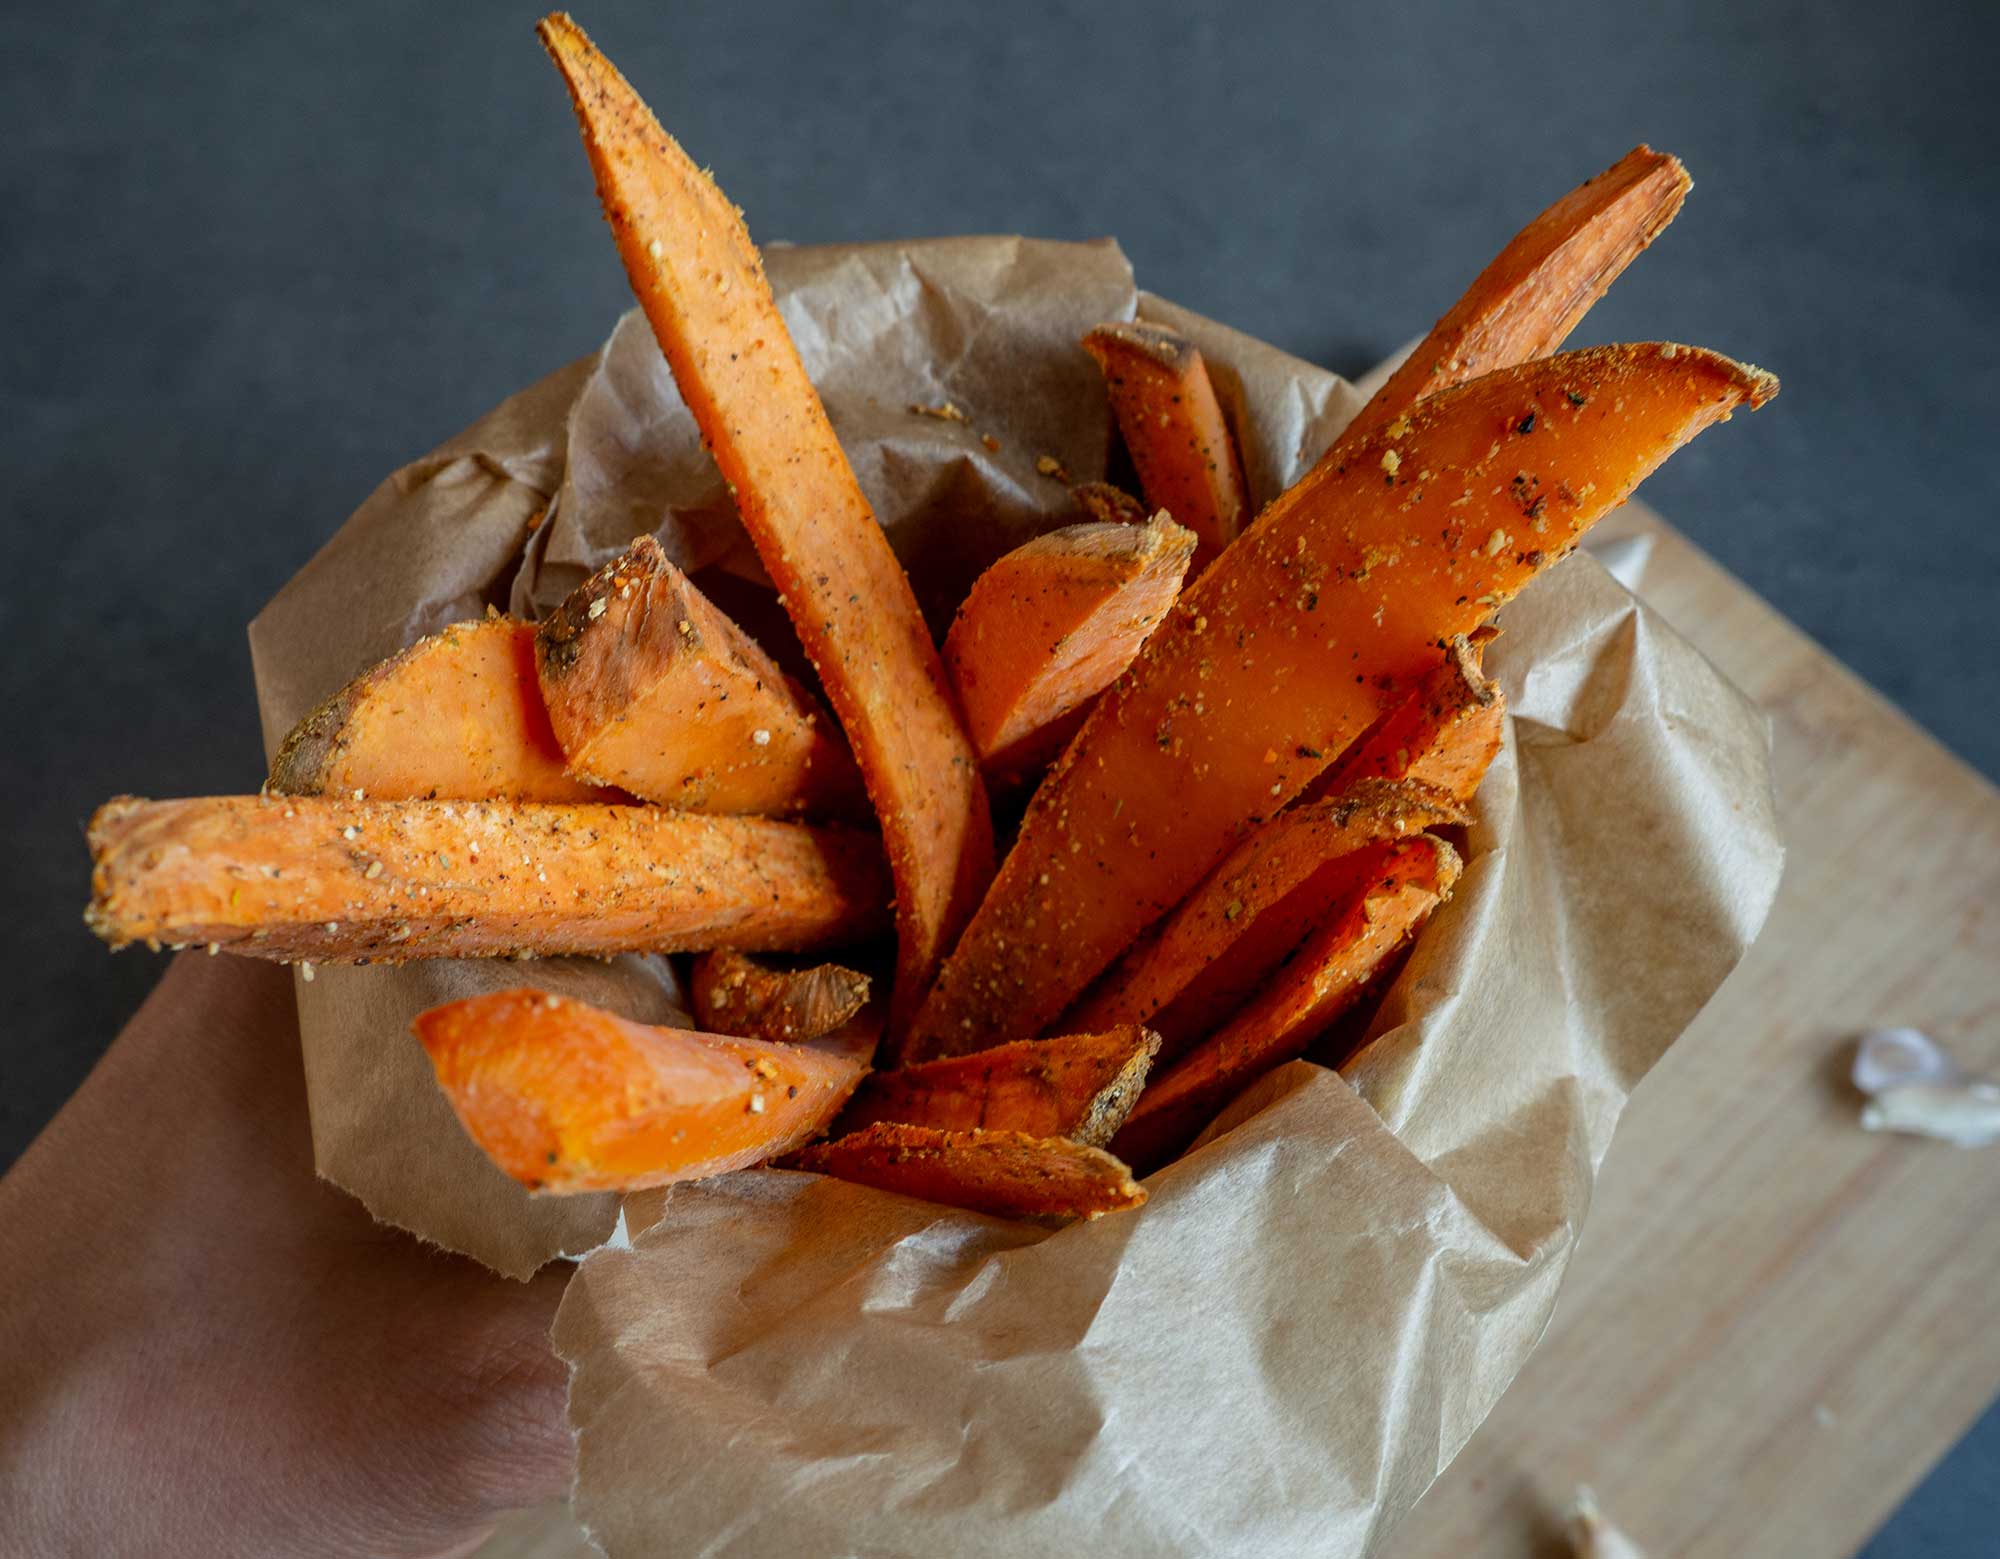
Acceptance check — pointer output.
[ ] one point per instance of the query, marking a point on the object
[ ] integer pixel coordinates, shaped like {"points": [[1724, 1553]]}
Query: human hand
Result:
{"points": [[207, 1350]]}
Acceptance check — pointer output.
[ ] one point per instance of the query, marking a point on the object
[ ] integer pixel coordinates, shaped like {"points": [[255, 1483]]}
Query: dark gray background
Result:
{"points": [[256, 256]]}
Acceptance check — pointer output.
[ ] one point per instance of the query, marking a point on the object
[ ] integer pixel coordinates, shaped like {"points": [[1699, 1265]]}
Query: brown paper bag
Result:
{"points": [[1295, 1335]]}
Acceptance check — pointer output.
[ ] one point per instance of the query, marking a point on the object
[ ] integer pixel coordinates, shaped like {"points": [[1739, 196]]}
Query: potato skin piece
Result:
{"points": [[566, 1097], [1080, 1086], [1328, 611], [339, 881], [1108, 503], [1006, 1174], [736, 994], [457, 716]]}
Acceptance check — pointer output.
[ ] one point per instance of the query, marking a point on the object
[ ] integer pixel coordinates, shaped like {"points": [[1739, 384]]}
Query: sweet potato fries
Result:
{"points": [[1232, 836]]}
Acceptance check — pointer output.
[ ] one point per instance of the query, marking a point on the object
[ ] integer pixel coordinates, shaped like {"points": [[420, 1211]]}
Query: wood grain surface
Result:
{"points": [[1776, 1322]]}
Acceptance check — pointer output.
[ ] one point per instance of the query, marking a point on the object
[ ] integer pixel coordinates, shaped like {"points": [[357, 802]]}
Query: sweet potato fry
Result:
{"points": [[737, 994], [1080, 1086], [1254, 909], [650, 687], [566, 1097], [1331, 609], [1008, 1174], [1329, 974], [1445, 735], [1525, 304], [1174, 429], [341, 881], [702, 286], [1047, 628], [456, 716]]}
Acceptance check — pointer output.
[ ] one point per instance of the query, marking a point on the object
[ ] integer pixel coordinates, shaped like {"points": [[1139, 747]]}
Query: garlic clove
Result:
{"points": [[1593, 1537], [1964, 1114]]}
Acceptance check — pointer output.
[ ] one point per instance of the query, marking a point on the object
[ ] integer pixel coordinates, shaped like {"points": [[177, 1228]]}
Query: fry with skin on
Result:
{"points": [[1537, 289], [1445, 735], [339, 881], [736, 994], [1174, 429], [1080, 1086], [1517, 310], [1333, 608], [1330, 972], [457, 716], [1050, 625], [1007, 1174], [1222, 941], [566, 1097], [650, 687], [699, 280]]}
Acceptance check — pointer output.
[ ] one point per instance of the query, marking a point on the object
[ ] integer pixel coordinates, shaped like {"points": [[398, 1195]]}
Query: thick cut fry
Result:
{"points": [[1334, 607], [566, 1097], [650, 687], [1445, 735], [1080, 1086], [1049, 626], [386, 881], [457, 716], [735, 994], [1174, 428], [1525, 304], [1329, 974], [702, 286], [1008, 1174], [1254, 909]]}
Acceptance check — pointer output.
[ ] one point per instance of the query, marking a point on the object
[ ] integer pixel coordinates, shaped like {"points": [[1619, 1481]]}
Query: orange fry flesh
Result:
{"points": [[1174, 429], [1251, 912], [342, 881], [702, 286], [1047, 627], [1331, 609], [457, 715], [1080, 1086], [1536, 290], [650, 687], [1328, 975], [1445, 735], [566, 1097]]}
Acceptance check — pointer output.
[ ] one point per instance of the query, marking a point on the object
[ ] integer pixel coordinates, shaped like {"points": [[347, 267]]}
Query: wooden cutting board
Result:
{"points": [[1776, 1322]]}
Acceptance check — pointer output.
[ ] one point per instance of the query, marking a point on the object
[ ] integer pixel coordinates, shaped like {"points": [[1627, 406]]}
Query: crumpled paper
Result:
{"points": [[1318, 1305]]}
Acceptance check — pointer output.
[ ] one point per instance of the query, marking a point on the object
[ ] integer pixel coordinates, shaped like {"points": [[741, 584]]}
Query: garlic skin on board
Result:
{"points": [[1593, 1537], [1916, 1088]]}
